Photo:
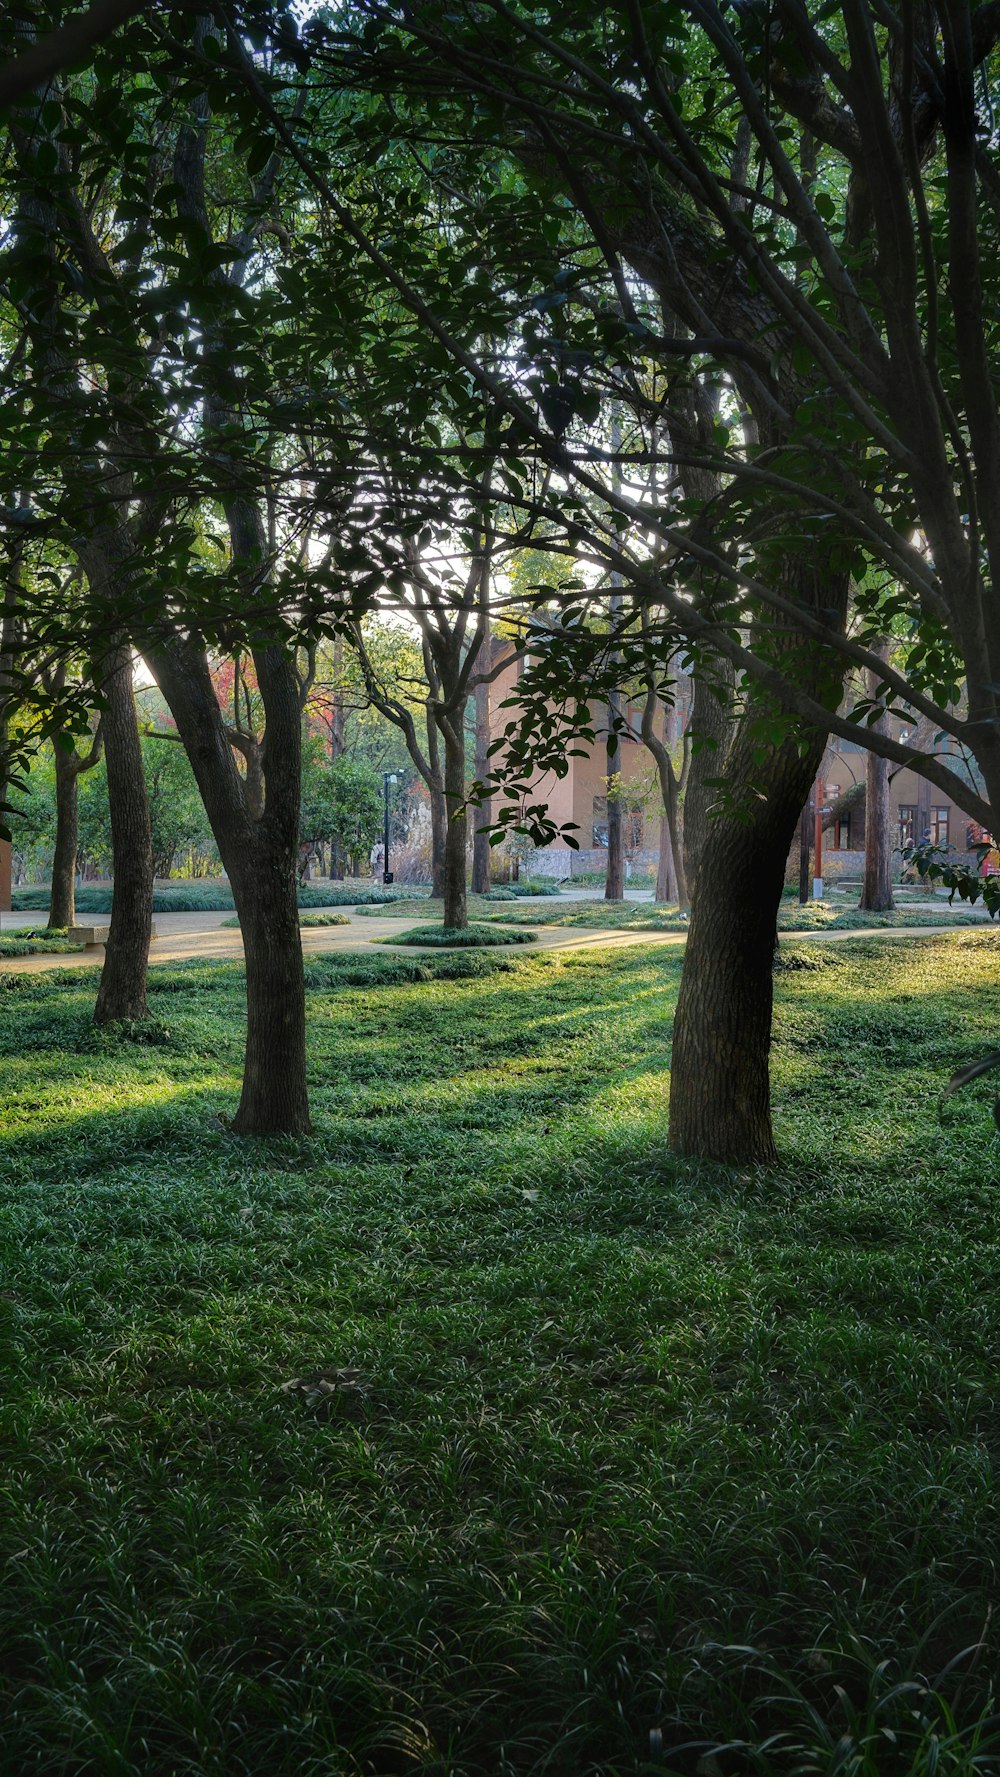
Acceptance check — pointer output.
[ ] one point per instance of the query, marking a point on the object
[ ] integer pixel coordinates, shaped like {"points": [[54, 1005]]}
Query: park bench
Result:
{"points": [[94, 936]]}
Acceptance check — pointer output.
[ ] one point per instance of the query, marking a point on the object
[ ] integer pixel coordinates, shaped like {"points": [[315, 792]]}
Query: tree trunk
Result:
{"points": [[720, 1100], [338, 714], [122, 991], [614, 885], [62, 896], [260, 856], [710, 730], [481, 848], [804, 854], [876, 889], [439, 830], [671, 878], [456, 912], [274, 1098], [666, 875]]}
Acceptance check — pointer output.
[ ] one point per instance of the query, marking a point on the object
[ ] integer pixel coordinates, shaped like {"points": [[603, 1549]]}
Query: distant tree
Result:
{"points": [[341, 802]]}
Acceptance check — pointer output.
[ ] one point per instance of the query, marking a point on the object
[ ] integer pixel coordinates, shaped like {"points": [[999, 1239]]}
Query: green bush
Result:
{"points": [[468, 937], [532, 886]]}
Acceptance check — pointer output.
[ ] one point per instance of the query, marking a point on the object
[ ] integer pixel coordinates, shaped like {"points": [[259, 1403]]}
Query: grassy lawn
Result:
{"points": [[471, 1434], [643, 916]]}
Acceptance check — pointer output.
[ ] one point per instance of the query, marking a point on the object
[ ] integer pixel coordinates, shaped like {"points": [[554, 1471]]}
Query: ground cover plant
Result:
{"points": [[474, 1432], [821, 916], [517, 891], [36, 943], [470, 937], [211, 897]]}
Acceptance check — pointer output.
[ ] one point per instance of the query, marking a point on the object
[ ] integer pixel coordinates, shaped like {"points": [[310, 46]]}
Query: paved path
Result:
{"points": [[187, 937]]}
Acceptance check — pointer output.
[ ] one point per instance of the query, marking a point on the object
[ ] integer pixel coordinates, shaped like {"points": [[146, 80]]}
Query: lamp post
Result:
{"points": [[388, 777]]}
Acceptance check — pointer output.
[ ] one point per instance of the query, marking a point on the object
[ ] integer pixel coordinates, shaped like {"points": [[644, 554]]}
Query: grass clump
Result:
{"points": [[40, 942], [516, 891], [470, 937], [476, 1432]]}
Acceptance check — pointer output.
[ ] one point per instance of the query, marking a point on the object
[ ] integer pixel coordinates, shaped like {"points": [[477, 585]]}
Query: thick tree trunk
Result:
{"points": [[710, 730], [482, 816], [122, 990], [456, 912], [62, 896], [720, 1101], [876, 889], [614, 885], [274, 1099]]}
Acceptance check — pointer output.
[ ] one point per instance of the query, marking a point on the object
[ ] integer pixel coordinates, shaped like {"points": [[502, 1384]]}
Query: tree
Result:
{"points": [[341, 802], [686, 139]]}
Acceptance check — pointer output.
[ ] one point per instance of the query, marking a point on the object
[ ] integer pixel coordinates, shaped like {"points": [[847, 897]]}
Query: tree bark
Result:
{"points": [[671, 880], [62, 895], [481, 848], [456, 911], [260, 854], [876, 889], [614, 884], [69, 768], [720, 1101], [122, 990], [439, 830], [666, 876], [274, 1098]]}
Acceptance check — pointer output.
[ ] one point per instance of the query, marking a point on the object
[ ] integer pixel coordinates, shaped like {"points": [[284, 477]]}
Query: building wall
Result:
{"points": [[572, 798]]}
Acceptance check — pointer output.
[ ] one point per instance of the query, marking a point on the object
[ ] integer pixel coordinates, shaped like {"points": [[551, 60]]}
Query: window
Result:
{"points": [[842, 834], [907, 823], [939, 826]]}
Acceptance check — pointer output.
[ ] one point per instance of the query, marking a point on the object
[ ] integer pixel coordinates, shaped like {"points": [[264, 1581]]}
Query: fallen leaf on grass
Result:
{"points": [[324, 1383]]}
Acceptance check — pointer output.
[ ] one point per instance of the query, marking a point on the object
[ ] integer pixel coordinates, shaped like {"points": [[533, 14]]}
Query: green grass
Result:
{"points": [[644, 916], [210, 897], [36, 943], [476, 1433], [516, 891], [470, 937]]}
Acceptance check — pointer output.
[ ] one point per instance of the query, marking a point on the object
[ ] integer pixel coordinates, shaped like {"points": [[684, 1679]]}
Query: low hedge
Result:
{"points": [[215, 897], [474, 937], [516, 891]]}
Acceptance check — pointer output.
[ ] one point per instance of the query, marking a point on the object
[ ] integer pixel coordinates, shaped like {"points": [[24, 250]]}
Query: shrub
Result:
{"points": [[472, 937], [538, 886]]}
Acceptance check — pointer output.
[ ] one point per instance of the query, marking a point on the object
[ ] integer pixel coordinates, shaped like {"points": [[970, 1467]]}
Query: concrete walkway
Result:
{"points": [[203, 937]]}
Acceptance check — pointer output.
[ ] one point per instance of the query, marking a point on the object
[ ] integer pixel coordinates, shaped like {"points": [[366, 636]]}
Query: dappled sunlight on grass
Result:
{"points": [[476, 1419]]}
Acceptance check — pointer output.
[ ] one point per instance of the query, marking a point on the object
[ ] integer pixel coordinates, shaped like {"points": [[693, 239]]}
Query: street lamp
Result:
{"points": [[388, 777]]}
